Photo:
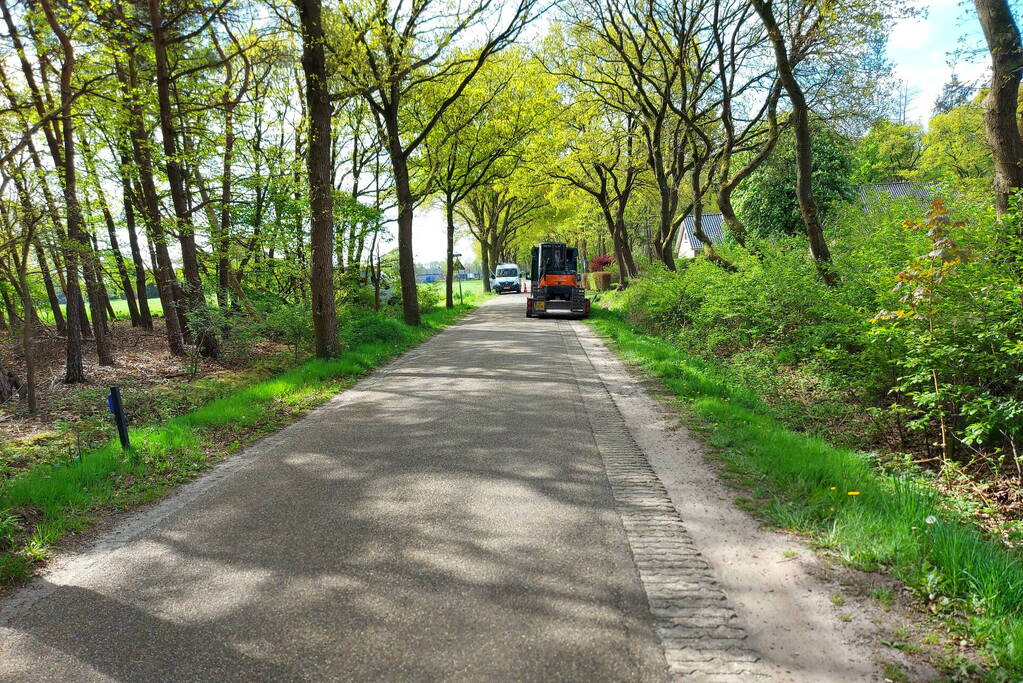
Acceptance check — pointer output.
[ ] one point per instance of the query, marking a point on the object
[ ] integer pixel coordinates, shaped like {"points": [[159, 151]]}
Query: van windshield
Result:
{"points": [[507, 272]]}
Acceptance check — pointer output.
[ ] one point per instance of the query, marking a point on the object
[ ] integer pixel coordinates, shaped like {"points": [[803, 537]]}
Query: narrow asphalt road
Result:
{"points": [[448, 518]]}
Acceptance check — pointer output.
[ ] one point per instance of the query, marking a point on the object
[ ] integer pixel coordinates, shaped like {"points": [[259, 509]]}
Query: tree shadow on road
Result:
{"points": [[450, 518]]}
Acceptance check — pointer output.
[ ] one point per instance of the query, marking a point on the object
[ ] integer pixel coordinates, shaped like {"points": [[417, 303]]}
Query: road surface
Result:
{"points": [[475, 511]]}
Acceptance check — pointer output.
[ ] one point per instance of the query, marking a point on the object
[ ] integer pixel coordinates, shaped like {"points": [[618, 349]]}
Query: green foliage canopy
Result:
{"points": [[890, 151], [767, 203]]}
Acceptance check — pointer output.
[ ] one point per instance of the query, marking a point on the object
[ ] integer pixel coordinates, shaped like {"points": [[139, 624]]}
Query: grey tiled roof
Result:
{"points": [[894, 190], [713, 228]]}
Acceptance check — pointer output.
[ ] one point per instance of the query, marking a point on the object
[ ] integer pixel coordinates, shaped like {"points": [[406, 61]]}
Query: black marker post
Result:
{"points": [[114, 403]]}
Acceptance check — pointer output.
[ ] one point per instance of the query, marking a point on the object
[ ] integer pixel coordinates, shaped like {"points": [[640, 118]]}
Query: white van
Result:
{"points": [[507, 278]]}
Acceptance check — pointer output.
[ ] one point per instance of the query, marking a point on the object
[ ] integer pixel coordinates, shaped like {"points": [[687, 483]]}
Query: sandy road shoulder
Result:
{"points": [[782, 602]]}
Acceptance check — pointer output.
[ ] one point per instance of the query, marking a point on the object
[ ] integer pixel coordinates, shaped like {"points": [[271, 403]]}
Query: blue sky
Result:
{"points": [[921, 49]]}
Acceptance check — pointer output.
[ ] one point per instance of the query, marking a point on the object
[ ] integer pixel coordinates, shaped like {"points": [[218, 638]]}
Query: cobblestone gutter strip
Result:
{"points": [[699, 630]]}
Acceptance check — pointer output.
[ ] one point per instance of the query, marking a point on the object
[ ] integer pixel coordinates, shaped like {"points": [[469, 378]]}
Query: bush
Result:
{"points": [[427, 294], [659, 300], [429, 297], [371, 327], [599, 263], [960, 323], [924, 334], [291, 324], [352, 291], [868, 518], [233, 332]]}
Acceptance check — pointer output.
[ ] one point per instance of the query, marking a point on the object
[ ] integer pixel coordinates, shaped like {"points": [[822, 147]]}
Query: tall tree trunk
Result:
{"points": [[27, 333], [623, 269], [620, 234], [205, 339], [181, 311], [1002, 101], [21, 267], [495, 254], [141, 291], [665, 245], [403, 192], [224, 236], [300, 255], [9, 384], [485, 258], [728, 182], [12, 310], [115, 249], [804, 151], [449, 279], [58, 262], [163, 267], [736, 228], [96, 289], [74, 371], [51, 292], [612, 228], [630, 260], [102, 284], [699, 190], [321, 281], [109, 313], [55, 222]]}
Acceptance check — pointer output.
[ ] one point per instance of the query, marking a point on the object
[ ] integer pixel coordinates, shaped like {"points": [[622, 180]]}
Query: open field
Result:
{"points": [[468, 287], [120, 307]]}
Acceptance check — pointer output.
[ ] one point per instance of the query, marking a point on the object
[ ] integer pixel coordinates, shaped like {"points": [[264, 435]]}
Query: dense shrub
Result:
{"points": [[959, 319], [600, 263], [290, 323], [429, 297], [370, 327], [233, 333], [922, 338]]}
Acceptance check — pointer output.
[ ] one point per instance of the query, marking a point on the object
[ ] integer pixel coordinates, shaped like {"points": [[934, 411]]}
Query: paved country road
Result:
{"points": [[476, 510]]}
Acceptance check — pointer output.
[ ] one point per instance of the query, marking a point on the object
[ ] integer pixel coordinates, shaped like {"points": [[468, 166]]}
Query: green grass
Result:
{"points": [[120, 307], [51, 499], [469, 288], [804, 484]]}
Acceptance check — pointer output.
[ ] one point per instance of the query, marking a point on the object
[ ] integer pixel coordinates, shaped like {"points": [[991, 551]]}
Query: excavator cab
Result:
{"points": [[556, 284]]}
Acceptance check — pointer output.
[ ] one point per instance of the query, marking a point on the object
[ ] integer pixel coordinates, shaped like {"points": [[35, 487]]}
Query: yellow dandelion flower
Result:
{"points": [[854, 493], [834, 488]]}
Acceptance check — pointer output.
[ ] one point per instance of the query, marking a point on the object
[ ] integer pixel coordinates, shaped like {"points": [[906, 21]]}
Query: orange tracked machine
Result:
{"points": [[556, 285]]}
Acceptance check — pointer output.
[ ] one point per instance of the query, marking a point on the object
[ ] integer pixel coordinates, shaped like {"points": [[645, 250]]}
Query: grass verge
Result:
{"points": [[49, 500], [470, 288], [869, 519]]}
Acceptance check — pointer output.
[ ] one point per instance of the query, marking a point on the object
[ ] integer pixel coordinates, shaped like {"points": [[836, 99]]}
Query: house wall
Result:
{"points": [[685, 249]]}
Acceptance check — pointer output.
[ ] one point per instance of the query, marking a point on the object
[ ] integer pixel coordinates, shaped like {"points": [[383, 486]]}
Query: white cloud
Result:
{"points": [[909, 34], [429, 237]]}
